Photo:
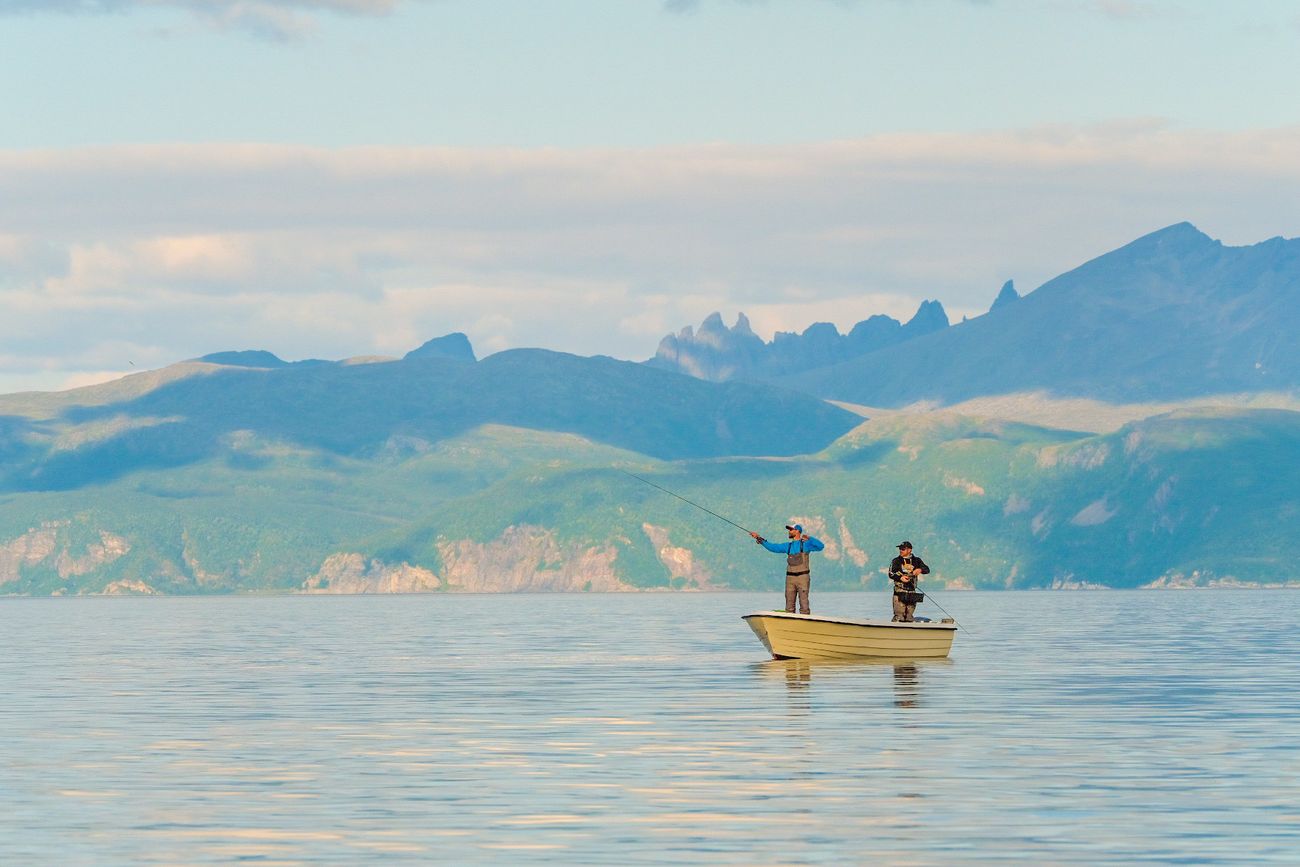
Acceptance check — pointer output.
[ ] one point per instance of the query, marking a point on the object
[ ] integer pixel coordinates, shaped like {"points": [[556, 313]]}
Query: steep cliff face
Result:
{"points": [[109, 548], [522, 559], [28, 549], [528, 558], [352, 573], [49, 546], [128, 587], [681, 563]]}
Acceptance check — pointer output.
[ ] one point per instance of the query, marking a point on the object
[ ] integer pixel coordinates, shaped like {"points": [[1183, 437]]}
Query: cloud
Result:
{"points": [[157, 253], [1120, 10], [273, 19], [685, 6]]}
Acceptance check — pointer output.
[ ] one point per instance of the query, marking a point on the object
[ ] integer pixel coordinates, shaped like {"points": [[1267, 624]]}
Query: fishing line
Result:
{"points": [[930, 596], [684, 500]]}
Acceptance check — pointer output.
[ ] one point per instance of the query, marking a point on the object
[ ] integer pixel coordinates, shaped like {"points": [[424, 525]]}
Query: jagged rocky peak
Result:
{"points": [[714, 352], [719, 353], [930, 316], [455, 346], [1006, 296], [713, 332], [713, 322]]}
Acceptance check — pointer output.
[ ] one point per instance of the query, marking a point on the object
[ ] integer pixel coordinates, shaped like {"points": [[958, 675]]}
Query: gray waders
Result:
{"points": [[797, 579]]}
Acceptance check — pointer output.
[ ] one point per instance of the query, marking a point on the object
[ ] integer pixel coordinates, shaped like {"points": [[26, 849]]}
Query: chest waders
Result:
{"points": [[796, 562], [906, 594], [796, 578]]}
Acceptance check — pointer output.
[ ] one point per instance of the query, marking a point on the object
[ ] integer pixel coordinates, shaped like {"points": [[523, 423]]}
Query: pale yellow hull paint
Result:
{"points": [[805, 636]]}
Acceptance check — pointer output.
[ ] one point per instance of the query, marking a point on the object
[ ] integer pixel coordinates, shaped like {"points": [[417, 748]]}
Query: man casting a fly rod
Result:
{"points": [[797, 573]]}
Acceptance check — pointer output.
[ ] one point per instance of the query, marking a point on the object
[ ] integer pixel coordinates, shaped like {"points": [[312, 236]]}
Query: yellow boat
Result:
{"points": [[806, 636]]}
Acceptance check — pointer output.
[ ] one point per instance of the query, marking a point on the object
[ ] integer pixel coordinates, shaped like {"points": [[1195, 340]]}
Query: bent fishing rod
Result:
{"points": [[684, 500], [928, 594]]}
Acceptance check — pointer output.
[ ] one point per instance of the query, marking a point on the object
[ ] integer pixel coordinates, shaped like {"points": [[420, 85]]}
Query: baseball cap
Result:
{"points": [[798, 528], [904, 544]]}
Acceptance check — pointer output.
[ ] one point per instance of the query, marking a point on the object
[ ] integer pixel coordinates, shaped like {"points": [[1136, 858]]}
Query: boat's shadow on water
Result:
{"points": [[800, 674]]}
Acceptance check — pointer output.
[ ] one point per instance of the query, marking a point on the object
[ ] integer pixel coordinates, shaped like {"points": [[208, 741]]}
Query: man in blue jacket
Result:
{"points": [[796, 551]]}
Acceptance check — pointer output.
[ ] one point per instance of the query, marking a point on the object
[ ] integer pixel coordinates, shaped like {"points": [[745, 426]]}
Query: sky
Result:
{"points": [[331, 178]]}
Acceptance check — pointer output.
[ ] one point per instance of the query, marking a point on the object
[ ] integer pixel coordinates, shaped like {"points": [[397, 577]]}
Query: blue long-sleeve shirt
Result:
{"points": [[791, 546]]}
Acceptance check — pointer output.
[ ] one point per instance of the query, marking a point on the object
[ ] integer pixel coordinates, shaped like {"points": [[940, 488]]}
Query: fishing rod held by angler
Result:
{"points": [[684, 500]]}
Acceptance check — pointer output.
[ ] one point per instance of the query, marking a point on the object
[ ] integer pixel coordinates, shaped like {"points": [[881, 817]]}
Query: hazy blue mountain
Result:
{"points": [[1174, 314], [719, 354], [259, 358], [1008, 295], [245, 472], [363, 410], [245, 358], [455, 346]]}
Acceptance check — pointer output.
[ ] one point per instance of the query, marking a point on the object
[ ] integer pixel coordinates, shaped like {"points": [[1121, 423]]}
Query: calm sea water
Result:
{"points": [[1066, 728]]}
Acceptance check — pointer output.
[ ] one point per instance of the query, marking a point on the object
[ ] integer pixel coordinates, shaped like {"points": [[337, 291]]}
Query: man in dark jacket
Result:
{"points": [[904, 570], [798, 576]]}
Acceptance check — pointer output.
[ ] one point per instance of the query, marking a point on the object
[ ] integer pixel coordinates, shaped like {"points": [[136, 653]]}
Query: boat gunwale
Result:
{"points": [[814, 618]]}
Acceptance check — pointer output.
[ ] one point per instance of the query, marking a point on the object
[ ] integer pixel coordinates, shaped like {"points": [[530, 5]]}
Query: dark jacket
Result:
{"points": [[896, 574]]}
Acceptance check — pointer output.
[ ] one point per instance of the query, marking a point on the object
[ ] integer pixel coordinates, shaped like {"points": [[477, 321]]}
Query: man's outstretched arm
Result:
{"points": [[774, 547]]}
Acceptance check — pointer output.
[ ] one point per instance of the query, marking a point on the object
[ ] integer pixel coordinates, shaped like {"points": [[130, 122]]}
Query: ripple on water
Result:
{"points": [[1067, 727]]}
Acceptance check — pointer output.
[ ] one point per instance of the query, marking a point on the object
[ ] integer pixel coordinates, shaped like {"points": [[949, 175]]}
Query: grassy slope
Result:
{"points": [[992, 504], [988, 502], [264, 515]]}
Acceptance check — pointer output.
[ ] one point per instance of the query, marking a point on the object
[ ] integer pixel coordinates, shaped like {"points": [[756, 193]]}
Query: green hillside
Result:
{"points": [[1190, 496], [991, 504]]}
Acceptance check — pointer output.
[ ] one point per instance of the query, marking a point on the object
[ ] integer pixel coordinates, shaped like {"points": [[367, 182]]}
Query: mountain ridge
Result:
{"points": [[1170, 315], [720, 354], [451, 474]]}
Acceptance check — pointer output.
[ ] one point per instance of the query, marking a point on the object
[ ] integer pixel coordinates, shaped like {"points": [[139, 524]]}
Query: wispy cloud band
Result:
{"points": [[275, 19]]}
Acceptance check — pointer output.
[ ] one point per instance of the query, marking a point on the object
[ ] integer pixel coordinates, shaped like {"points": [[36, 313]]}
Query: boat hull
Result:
{"points": [[805, 636]]}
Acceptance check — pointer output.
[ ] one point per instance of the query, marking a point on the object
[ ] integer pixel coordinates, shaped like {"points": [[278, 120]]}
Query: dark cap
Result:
{"points": [[798, 528], [904, 544]]}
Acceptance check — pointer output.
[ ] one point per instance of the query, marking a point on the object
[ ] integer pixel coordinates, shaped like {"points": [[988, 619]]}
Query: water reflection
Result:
{"points": [[798, 676], [907, 684], [798, 673], [639, 729]]}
